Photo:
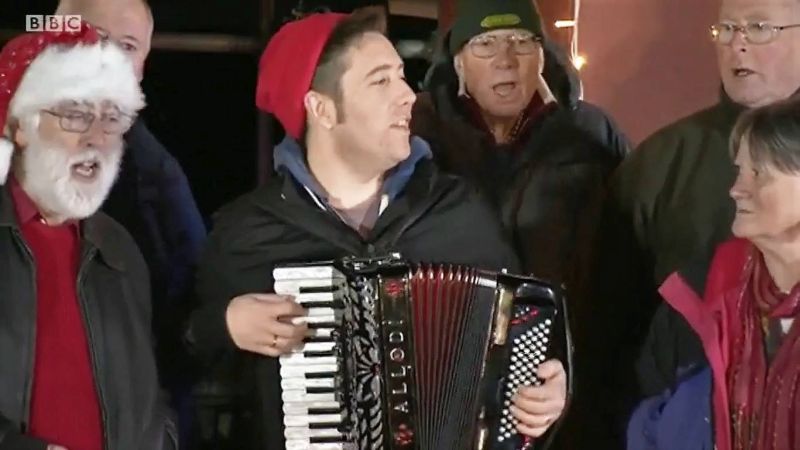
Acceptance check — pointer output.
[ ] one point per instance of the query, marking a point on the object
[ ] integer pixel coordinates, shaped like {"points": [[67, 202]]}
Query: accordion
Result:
{"points": [[408, 356]]}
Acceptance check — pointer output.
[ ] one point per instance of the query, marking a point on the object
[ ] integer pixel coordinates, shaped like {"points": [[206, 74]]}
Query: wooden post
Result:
{"points": [[264, 125], [447, 12]]}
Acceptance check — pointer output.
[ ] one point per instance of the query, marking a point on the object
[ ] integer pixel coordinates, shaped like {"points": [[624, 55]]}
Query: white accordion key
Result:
{"points": [[307, 272], [305, 432], [294, 408], [302, 286], [319, 333], [318, 419], [335, 318], [297, 359], [305, 383], [314, 297], [319, 312], [299, 371], [300, 396], [305, 444], [327, 346]]}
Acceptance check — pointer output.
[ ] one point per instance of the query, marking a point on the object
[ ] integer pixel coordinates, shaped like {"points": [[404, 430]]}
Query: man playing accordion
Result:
{"points": [[351, 181]]}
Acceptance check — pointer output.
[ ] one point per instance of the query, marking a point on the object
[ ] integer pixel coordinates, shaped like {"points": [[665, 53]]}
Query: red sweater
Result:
{"points": [[64, 404]]}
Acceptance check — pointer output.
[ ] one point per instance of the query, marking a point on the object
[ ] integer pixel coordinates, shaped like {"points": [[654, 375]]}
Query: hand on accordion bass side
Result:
{"points": [[262, 323], [538, 407]]}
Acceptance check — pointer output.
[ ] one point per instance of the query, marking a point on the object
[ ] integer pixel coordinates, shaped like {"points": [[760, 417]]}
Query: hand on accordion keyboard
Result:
{"points": [[261, 323], [538, 407]]}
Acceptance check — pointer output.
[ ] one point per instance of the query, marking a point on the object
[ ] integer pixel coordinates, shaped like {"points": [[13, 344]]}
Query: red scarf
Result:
{"points": [[765, 396]]}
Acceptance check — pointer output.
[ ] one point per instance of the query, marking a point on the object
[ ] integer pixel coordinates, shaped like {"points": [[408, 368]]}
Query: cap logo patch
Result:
{"points": [[500, 20]]}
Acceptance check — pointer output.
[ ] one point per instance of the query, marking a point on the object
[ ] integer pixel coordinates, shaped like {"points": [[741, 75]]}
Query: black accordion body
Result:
{"points": [[408, 356]]}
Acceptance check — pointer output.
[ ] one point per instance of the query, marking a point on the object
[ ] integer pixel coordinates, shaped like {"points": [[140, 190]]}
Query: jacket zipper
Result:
{"points": [[87, 257], [26, 401]]}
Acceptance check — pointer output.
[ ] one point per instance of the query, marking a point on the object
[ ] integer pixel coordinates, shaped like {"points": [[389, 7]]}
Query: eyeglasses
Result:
{"points": [[489, 45], [113, 123], [754, 33]]}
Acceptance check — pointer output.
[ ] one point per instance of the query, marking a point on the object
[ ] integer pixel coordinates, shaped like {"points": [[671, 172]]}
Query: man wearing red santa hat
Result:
{"points": [[78, 370]]}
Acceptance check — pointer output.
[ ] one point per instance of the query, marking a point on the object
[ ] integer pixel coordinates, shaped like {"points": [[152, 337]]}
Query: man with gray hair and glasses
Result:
{"points": [[669, 202]]}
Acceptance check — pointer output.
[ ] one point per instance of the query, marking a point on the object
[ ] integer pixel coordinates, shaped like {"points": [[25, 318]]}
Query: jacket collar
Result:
{"points": [[284, 198], [289, 159], [707, 317], [97, 232], [731, 110]]}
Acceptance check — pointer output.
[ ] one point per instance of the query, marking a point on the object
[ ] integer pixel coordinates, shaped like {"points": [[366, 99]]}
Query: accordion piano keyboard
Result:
{"points": [[313, 410]]}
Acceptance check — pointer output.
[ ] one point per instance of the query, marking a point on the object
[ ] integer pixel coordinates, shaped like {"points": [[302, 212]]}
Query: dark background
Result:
{"points": [[201, 103]]}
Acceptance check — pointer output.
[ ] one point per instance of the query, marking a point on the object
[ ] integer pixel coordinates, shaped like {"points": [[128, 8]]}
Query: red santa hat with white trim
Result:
{"points": [[39, 70]]}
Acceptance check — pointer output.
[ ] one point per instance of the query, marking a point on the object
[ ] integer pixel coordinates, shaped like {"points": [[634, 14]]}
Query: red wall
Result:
{"points": [[649, 61]]}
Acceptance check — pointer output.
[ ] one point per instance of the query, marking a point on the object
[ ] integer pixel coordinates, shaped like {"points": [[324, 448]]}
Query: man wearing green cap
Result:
{"points": [[503, 110]]}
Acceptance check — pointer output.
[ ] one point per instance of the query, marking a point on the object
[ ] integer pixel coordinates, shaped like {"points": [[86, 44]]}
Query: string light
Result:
{"points": [[579, 61]]}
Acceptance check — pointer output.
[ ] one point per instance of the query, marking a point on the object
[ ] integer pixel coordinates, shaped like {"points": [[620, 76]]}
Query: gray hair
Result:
{"points": [[772, 134]]}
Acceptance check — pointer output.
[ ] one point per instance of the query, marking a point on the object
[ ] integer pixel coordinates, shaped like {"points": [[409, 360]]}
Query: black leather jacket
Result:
{"points": [[114, 296]]}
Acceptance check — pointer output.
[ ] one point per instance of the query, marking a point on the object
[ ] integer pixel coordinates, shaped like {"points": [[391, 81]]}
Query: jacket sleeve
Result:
{"points": [[615, 139], [678, 417], [12, 439], [603, 130]]}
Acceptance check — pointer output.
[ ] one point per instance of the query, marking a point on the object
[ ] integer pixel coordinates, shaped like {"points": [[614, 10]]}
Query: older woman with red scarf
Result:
{"points": [[725, 368]]}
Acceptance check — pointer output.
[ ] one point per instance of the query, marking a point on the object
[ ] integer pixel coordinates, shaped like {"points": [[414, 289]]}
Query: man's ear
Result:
{"points": [[320, 109], [540, 55], [19, 136], [458, 66]]}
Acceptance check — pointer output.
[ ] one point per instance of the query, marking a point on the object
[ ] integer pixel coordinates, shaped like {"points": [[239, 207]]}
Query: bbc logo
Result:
{"points": [[70, 23]]}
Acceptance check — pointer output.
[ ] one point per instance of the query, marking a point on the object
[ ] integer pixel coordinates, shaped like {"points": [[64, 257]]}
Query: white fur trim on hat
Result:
{"points": [[6, 151], [95, 73]]}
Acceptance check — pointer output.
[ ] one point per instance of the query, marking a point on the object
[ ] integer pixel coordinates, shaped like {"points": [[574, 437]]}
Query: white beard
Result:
{"points": [[46, 176]]}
